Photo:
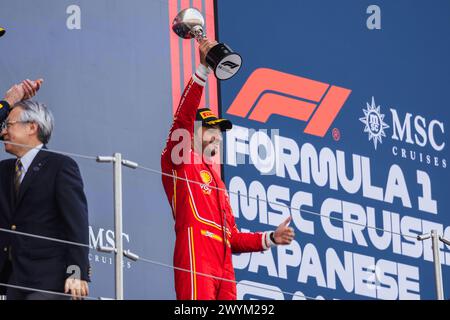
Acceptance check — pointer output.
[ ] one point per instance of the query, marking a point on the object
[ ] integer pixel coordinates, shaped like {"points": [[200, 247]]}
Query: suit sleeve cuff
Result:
{"points": [[201, 74], [266, 241], [5, 104]]}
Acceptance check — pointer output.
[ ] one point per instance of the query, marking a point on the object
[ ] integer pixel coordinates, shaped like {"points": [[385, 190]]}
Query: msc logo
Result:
{"points": [[417, 131], [374, 123], [229, 64], [105, 238], [267, 92]]}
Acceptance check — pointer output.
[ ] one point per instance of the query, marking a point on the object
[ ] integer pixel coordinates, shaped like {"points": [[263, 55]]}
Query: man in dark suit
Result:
{"points": [[18, 92], [42, 194]]}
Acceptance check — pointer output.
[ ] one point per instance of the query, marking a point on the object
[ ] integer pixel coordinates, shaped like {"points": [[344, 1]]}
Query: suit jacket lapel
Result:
{"points": [[9, 186], [32, 172]]}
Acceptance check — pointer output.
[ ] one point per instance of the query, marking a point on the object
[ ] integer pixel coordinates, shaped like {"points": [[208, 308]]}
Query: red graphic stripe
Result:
{"points": [[211, 33], [187, 46], [174, 57], [327, 112], [213, 102], [198, 5], [187, 62]]}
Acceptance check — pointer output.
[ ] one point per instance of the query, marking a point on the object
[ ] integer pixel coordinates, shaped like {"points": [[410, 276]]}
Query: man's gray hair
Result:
{"points": [[38, 113]]}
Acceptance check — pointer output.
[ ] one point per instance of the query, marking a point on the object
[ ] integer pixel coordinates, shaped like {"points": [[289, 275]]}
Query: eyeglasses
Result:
{"points": [[8, 124]]}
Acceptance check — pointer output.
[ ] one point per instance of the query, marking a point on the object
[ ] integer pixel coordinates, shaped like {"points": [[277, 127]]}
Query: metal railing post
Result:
{"points": [[437, 265], [118, 228], [118, 225], [118, 250], [435, 238]]}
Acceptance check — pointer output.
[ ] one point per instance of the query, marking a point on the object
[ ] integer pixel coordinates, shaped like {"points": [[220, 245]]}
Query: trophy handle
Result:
{"points": [[197, 33]]}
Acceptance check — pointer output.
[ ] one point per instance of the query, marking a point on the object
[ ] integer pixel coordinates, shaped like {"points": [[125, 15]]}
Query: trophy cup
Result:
{"points": [[189, 24]]}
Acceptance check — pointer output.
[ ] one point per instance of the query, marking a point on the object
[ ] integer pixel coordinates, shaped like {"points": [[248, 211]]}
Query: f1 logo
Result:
{"points": [[230, 64], [268, 92]]}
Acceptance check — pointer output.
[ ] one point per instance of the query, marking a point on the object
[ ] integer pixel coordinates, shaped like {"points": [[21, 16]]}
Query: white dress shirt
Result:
{"points": [[28, 158]]}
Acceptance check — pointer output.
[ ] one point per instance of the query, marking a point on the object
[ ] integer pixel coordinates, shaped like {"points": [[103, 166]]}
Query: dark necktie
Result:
{"points": [[17, 175]]}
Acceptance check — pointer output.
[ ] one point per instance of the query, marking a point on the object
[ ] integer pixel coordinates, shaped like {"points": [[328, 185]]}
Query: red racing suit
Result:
{"points": [[206, 232]]}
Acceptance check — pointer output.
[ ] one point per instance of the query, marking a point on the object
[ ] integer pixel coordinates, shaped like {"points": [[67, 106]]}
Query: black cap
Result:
{"points": [[209, 119]]}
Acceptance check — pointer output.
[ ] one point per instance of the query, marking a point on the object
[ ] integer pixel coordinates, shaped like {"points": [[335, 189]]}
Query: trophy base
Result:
{"points": [[223, 61]]}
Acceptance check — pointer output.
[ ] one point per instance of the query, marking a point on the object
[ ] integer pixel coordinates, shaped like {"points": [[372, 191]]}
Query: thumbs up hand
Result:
{"points": [[284, 234]]}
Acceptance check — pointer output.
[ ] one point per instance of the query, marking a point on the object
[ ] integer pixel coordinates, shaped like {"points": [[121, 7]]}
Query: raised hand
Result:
{"points": [[284, 234]]}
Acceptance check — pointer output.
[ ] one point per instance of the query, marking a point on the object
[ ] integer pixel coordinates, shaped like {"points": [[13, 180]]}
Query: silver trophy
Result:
{"points": [[189, 24]]}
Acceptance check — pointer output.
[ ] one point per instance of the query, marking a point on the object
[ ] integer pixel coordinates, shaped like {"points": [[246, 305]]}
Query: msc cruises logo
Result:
{"points": [[374, 123]]}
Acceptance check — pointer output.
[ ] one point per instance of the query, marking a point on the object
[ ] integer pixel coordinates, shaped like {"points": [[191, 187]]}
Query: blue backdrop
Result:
{"points": [[394, 59]]}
